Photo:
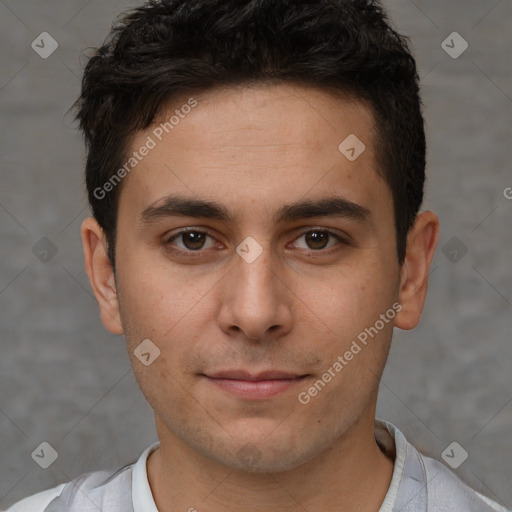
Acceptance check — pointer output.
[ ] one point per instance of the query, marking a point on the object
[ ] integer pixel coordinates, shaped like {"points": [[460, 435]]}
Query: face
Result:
{"points": [[257, 302]]}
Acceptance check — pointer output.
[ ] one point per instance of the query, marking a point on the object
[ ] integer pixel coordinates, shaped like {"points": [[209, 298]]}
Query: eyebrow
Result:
{"points": [[177, 206]]}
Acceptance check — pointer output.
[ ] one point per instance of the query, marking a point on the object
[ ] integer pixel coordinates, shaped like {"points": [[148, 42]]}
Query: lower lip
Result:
{"points": [[255, 390]]}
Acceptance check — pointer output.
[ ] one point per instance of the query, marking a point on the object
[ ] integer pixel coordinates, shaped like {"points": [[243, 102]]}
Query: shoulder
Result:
{"points": [[37, 502], [423, 484], [446, 491], [106, 490], [95, 488]]}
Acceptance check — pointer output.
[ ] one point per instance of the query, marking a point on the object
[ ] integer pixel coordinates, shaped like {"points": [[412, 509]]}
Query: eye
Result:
{"points": [[191, 240], [319, 239]]}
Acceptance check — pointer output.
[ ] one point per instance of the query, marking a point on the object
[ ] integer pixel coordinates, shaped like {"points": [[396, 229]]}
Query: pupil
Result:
{"points": [[314, 238], [193, 240]]}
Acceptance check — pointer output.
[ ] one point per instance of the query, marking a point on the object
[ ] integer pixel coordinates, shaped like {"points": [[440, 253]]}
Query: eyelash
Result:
{"points": [[200, 252]]}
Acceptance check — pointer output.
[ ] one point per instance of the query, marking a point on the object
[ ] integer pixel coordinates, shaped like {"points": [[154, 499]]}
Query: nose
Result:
{"points": [[255, 300]]}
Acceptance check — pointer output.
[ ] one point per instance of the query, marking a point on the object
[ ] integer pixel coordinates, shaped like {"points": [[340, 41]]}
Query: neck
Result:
{"points": [[352, 475]]}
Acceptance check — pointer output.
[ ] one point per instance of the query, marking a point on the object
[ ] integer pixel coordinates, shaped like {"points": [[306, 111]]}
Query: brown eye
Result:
{"points": [[191, 240], [319, 239]]}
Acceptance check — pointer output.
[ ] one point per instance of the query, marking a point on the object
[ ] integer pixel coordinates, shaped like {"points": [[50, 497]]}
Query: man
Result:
{"points": [[255, 171]]}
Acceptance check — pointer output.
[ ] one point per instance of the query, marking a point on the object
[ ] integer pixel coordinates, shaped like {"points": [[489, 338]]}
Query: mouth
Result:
{"points": [[248, 386]]}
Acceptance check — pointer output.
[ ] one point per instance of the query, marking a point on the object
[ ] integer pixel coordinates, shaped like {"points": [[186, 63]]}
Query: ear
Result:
{"points": [[101, 274], [421, 245]]}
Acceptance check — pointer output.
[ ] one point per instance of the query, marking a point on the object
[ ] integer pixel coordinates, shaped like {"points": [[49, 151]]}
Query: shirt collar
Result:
{"points": [[407, 487]]}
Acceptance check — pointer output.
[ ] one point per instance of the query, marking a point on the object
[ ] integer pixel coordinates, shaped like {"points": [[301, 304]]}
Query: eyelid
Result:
{"points": [[180, 231], [342, 239], [204, 231], [340, 235]]}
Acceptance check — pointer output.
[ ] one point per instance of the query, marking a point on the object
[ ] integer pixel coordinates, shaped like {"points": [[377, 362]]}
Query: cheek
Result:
{"points": [[164, 388], [166, 308], [154, 299], [349, 306], [348, 299]]}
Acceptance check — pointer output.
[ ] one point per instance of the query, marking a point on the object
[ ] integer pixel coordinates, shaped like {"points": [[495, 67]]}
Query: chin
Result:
{"points": [[265, 456]]}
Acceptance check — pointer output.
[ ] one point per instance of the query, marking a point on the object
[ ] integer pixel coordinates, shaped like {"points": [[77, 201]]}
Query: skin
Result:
{"points": [[296, 308]]}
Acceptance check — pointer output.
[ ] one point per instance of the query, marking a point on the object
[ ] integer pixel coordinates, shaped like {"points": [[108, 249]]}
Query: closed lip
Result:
{"points": [[261, 376]]}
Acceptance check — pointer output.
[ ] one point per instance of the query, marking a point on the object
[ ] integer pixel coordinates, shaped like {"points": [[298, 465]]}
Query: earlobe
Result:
{"points": [[101, 274], [421, 245]]}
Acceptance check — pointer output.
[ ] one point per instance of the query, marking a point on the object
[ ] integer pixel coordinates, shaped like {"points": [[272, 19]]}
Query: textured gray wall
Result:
{"points": [[66, 381]]}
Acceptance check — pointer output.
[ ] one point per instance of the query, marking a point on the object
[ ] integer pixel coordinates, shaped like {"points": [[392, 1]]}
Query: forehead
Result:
{"points": [[255, 148], [271, 115]]}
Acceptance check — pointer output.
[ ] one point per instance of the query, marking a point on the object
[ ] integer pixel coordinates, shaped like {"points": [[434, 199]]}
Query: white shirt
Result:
{"points": [[418, 484]]}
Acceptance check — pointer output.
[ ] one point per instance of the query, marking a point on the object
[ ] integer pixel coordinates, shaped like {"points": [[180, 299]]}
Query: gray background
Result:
{"points": [[66, 381]]}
